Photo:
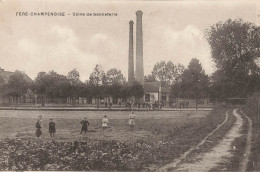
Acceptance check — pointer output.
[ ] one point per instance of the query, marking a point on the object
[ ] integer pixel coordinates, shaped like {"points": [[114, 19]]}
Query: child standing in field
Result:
{"points": [[40, 119], [38, 128], [52, 128], [131, 121], [104, 122], [84, 125]]}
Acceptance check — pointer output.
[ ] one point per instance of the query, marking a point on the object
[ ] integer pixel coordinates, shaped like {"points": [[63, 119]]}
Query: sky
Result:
{"points": [[172, 31]]}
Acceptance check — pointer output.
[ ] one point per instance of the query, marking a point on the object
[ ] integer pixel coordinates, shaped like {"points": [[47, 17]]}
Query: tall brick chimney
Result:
{"points": [[131, 77], [139, 49]]}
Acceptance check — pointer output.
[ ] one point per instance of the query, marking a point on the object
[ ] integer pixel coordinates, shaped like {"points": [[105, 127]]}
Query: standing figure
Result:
{"points": [[40, 119], [38, 128], [104, 122], [131, 121], [52, 128], [84, 125]]}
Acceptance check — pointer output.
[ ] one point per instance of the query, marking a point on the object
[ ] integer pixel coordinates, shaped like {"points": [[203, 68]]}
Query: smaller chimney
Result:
{"points": [[131, 77]]}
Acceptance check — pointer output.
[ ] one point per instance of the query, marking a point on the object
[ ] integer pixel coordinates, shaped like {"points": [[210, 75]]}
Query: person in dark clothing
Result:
{"points": [[52, 128], [38, 129], [84, 125]]}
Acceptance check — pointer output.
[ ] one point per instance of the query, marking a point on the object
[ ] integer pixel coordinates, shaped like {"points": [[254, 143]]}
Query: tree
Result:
{"points": [[40, 83], [235, 48], [98, 76], [136, 90], [74, 89], [17, 84], [179, 69], [166, 72], [97, 82], [114, 84], [149, 78], [115, 90], [40, 86], [124, 92], [1, 80], [51, 85], [2, 83], [60, 87], [115, 76], [194, 82], [84, 90], [73, 77]]}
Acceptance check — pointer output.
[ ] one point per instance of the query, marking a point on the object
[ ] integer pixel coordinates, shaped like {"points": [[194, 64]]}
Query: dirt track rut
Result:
{"points": [[210, 159]]}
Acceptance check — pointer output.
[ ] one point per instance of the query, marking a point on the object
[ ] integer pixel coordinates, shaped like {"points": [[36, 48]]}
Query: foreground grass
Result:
{"points": [[156, 142], [239, 146], [252, 110], [254, 160]]}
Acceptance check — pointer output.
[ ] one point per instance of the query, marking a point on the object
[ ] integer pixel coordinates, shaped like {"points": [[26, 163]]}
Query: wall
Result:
{"points": [[154, 96]]}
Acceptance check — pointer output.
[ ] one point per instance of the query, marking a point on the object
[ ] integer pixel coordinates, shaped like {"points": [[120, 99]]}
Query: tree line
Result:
{"points": [[56, 86], [234, 49]]}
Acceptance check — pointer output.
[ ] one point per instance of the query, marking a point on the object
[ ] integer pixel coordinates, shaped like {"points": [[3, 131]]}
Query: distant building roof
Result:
{"points": [[151, 86], [5, 75]]}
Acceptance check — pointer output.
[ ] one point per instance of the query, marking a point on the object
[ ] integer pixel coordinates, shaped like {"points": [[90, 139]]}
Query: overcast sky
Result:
{"points": [[172, 30]]}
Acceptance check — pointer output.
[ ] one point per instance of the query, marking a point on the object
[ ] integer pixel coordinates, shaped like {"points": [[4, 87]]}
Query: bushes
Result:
{"points": [[40, 155]]}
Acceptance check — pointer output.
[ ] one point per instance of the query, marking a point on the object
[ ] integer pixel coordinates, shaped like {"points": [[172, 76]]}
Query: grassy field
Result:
{"points": [[158, 139], [252, 110], [149, 125]]}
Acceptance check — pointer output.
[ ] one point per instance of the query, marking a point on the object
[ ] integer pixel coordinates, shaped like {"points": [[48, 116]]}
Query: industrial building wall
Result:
{"points": [[153, 97]]}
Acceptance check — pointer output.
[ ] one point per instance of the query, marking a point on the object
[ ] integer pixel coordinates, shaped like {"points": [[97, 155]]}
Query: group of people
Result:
{"points": [[84, 125], [52, 128]]}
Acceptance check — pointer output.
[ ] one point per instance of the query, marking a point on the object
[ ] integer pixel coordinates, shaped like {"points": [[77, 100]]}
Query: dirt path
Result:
{"points": [[210, 159], [248, 145], [176, 162]]}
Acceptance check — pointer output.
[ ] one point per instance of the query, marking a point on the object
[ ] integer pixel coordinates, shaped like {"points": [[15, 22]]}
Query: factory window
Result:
{"points": [[147, 97]]}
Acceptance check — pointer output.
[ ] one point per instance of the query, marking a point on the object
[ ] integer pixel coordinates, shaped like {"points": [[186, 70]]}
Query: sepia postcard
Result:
{"points": [[129, 85]]}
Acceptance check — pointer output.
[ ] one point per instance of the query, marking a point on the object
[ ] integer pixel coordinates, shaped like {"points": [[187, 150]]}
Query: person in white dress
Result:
{"points": [[131, 121], [40, 119], [104, 122]]}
